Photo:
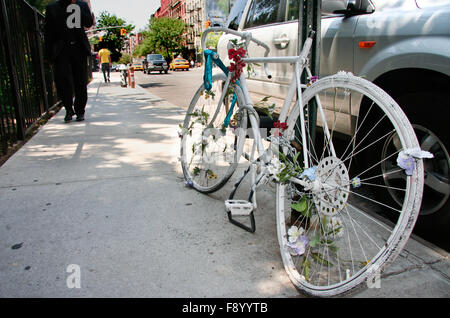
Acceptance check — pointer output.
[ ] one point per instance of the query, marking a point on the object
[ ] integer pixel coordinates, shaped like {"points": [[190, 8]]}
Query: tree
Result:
{"points": [[125, 59], [112, 39], [212, 39], [146, 47], [165, 36]]}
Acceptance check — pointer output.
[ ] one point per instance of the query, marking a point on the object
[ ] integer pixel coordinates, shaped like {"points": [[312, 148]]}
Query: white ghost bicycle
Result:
{"points": [[340, 218]]}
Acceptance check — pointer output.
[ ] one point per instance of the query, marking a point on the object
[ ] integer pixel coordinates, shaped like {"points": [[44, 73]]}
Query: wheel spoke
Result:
{"points": [[356, 177], [208, 148]]}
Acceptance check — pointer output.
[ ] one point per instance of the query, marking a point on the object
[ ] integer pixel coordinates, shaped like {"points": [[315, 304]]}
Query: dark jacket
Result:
{"points": [[56, 32]]}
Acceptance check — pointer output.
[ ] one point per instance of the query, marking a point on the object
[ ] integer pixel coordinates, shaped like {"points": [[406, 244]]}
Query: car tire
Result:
{"points": [[433, 223]]}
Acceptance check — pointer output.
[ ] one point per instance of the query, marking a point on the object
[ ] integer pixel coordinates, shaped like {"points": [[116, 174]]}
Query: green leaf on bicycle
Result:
{"points": [[196, 171], [300, 206], [267, 112], [315, 240], [303, 206], [333, 248], [318, 259], [306, 265]]}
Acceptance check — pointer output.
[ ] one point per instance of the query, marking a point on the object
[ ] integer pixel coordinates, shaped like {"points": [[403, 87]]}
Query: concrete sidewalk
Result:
{"points": [[108, 195]]}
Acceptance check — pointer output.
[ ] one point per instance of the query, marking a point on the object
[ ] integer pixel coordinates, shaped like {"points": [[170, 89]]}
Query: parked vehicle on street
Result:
{"points": [[401, 46], [138, 66], [179, 64], [120, 67], [156, 62]]}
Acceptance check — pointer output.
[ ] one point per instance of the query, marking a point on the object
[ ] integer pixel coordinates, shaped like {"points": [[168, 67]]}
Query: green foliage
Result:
{"points": [[165, 36], [224, 5], [264, 104], [125, 59], [291, 168], [112, 39], [39, 4], [212, 40]]}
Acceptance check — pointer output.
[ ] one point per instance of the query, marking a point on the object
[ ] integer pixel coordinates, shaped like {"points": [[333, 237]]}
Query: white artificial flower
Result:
{"points": [[275, 167], [299, 246], [182, 131], [294, 233], [417, 153]]}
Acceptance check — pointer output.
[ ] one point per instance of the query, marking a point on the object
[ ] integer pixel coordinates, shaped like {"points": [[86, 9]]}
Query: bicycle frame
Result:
{"points": [[300, 64]]}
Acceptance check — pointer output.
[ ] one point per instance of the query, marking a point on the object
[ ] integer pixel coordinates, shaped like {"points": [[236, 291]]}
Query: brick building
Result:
{"points": [[194, 14], [163, 10], [195, 20], [178, 9], [133, 41]]}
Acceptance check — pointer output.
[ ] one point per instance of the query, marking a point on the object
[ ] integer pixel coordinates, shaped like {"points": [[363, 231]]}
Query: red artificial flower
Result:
{"points": [[236, 67], [278, 124]]}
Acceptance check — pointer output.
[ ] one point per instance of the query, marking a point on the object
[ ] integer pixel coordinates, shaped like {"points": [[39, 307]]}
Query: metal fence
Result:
{"points": [[27, 89]]}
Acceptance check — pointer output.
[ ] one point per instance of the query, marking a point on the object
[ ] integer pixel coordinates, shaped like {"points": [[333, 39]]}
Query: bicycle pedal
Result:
{"points": [[239, 207]]}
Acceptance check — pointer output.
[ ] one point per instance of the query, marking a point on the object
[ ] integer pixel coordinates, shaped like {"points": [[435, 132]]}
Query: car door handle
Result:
{"points": [[282, 41]]}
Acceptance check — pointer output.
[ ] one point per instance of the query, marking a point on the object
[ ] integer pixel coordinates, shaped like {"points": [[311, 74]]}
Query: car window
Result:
{"points": [[155, 57], [235, 16], [263, 12], [292, 10]]}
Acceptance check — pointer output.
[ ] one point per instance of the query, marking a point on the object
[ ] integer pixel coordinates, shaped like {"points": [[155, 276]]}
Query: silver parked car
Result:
{"points": [[403, 46]]}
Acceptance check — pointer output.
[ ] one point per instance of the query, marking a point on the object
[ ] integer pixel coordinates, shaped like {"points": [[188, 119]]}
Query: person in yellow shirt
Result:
{"points": [[105, 60]]}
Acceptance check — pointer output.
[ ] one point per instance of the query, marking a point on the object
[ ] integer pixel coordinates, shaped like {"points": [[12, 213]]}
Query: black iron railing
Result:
{"points": [[27, 89]]}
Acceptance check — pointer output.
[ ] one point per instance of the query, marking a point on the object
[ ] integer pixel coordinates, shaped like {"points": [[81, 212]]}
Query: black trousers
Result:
{"points": [[71, 78], [105, 70]]}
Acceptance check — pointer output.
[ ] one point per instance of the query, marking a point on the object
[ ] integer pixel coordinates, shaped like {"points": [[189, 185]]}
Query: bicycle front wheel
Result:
{"points": [[208, 148], [344, 227]]}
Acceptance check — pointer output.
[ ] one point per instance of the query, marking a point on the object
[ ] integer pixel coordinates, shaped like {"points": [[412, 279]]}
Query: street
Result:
{"points": [[176, 87], [100, 209], [105, 205]]}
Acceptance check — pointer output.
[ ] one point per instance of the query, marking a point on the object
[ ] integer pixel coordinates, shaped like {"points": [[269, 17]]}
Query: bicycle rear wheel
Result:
{"points": [[341, 232], [208, 149]]}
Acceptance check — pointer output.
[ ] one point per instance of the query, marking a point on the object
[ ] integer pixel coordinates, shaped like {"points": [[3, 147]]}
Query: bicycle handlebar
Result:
{"points": [[243, 35]]}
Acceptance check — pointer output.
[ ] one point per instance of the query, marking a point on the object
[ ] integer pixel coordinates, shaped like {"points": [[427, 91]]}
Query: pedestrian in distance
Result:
{"points": [[105, 60], [67, 48]]}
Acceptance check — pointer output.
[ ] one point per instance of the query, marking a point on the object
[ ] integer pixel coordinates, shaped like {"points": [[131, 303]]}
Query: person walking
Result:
{"points": [[105, 60], [67, 47]]}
